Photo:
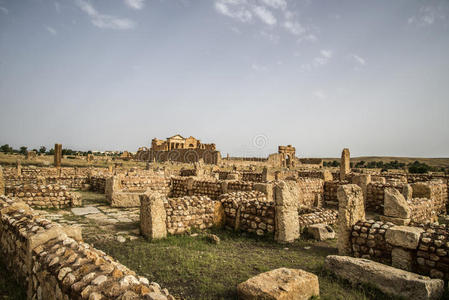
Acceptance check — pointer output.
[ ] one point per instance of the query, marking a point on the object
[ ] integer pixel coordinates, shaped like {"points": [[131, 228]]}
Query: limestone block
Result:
{"points": [[266, 188], [219, 214], [283, 283], [153, 216], [389, 280], [351, 209], [407, 192], [287, 193], [287, 198], [404, 236], [321, 232], [344, 164], [121, 199], [395, 221], [402, 259], [362, 181], [395, 204]]}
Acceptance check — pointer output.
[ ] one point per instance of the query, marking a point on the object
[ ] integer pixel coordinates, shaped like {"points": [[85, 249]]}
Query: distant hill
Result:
{"points": [[433, 162]]}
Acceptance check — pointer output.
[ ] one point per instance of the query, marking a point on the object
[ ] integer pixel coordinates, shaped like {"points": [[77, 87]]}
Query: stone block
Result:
{"points": [[122, 199], [395, 221], [153, 216], [402, 259], [395, 204], [321, 232], [389, 280], [344, 164], [283, 283], [403, 236], [351, 209]]}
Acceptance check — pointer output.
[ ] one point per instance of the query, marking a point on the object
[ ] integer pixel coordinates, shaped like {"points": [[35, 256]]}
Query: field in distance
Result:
{"points": [[433, 162]]}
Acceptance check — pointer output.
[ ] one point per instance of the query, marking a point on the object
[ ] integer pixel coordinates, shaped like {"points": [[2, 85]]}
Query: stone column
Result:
{"points": [[287, 198], [344, 164], [153, 216], [351, 209], [362, 181], [19, 168], [58, 155], [2, 182]]}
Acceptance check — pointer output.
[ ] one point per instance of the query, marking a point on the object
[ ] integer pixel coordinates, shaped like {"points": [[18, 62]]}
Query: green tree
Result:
{"points": [[6, 148], [23, 150], [42, 149]]}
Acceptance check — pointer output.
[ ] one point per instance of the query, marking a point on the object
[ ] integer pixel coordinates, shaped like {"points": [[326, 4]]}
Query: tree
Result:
{"points": [[6, 149], [42, 149], [23, 150], [51, 151]]}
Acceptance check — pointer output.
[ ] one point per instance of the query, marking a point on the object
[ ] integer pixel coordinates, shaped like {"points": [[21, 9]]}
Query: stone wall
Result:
{"points": [[316, 216], [368, 241], [190, 212], [375, 195], [330, 193], [2, 182], [423, 249], [51, 261], [422, 210], [186, 156], [249, 211], [98, 183], [252, 176], [435, 190], [44, 196], [312, 190]]}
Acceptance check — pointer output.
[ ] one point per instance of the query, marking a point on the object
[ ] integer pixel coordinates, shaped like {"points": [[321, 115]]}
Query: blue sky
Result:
{"points": [[248, 75]]}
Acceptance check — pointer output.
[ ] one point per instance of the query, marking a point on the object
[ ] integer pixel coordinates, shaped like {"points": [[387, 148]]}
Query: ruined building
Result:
{"points": [[180, 149]]}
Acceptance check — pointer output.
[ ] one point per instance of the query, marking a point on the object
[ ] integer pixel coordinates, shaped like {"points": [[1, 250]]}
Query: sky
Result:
{"points": [[247, 75]]}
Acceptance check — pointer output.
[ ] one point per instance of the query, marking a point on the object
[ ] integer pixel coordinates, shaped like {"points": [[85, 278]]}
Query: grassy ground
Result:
{"points": [[9, 289], [194, 268]]}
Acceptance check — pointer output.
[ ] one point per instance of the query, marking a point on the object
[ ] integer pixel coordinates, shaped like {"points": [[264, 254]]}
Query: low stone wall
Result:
{"points": [[326, 175], [2, 182], [190, 212], [330, 192], [157, 183], [434, 190], [98, 184], [239, 186], [421, 210], [368, 241], [423, 249], [252, 176], [187, 172], [375, 195], [249, 211], [52, 262], [44, 196], [312, 190], [317, 216]]}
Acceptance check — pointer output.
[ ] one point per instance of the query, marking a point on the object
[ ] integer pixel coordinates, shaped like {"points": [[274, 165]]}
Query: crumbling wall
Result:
{"points": [[435, 190], [330, 192], [190, 212], [312, 190], [252, 176], [52, 262], [249, 211], [98, 183], [44, 196], [316, 216], [375, 195]]}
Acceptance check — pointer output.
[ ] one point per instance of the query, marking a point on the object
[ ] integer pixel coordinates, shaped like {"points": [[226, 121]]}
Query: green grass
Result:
{"points": [[9, 289], [194, 268]]}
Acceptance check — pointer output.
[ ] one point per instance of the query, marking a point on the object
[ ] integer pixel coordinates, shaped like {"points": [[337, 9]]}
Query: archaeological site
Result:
{"points": [[61, 226], [224, 150]]}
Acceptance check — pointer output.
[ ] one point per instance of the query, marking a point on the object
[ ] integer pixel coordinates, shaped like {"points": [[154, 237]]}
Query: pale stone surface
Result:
{"points": [[407, 192], [395, 221], [123, 199], [82, 211], [395, 204], [153, 216], [2, 182], [344, 164], [402, 259], [287, 198], [403, 236], [351, 209], [321, 232], [283, 283], [362, 181], [389, 280]]}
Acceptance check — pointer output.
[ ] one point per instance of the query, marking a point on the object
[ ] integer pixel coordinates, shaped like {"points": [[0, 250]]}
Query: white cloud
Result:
{"points": [[309, 37], [135, 4], [320, 95], [259, 68], [104, 21], [51, 30], [270, 36], [58, 7], [4, 10], [360, 60], [427, 16], [294, 27], [278, 4], [264, 15], [233, 9], [323, 58]]}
